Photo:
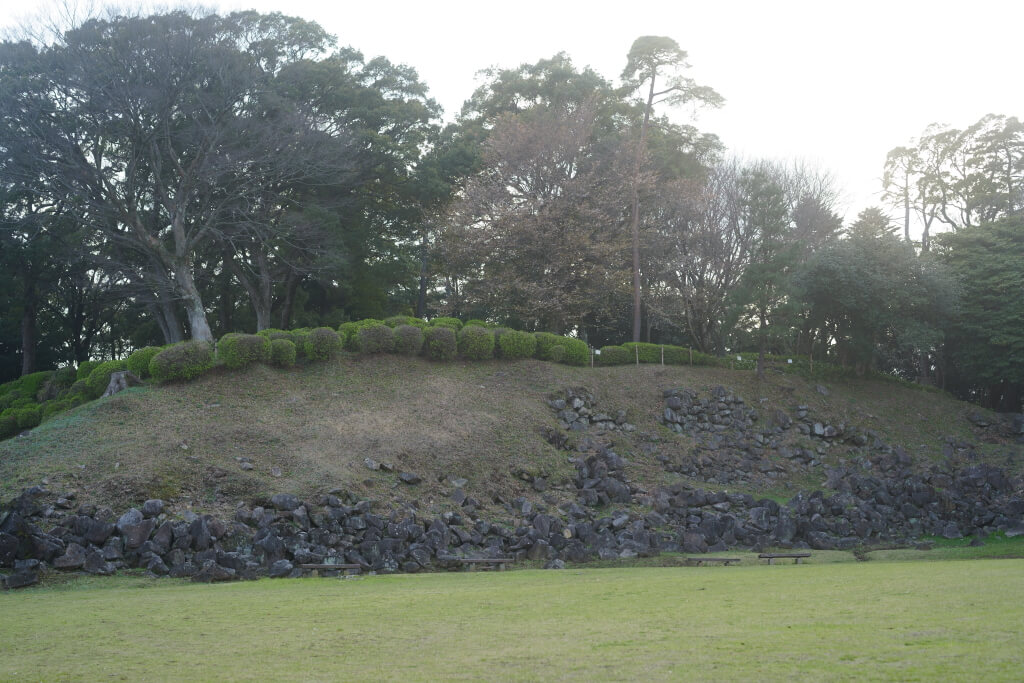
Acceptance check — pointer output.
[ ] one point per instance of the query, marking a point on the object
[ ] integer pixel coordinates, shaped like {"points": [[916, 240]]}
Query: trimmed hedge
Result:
{"points": [[28, 417], [282, 353], [65, 377], [86, 367], [476, 343], [349, 332], [8, 426], [452, 323], [237, 350], [478, 323], [515, 345], [573, 351], [138, 362], [184, 360], [53, 407], [408, 339], [398, 320], [614, 355], [440, 343], [99, 378], [322, 344], [299, 337], [273, 333], [376, 338]]}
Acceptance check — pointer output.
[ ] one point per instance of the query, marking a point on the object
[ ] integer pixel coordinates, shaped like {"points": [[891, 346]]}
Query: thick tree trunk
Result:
{"points": [[198, 325], [634, 219], [421, 297]]}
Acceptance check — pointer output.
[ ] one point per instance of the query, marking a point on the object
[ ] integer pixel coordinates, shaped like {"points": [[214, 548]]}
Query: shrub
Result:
{"points": [[79, 388], [273, 333], [30, 385], [299, 338], [238, 350], [138, 362], [476, 343], [477, 322], [652, 353], [350, 332], [65, 377], [614, 355], [452, 323], [54, 407], [8, 399], [8, 426], [28, 417], [440, 343], [397, 320], [376, 338], [185, 360], [322, 344], [282, 353], [515, 345], [99, 378], [86, 367], [408, 339], [573, 351]]}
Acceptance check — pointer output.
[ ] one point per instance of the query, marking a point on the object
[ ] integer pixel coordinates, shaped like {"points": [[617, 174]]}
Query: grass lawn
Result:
{"points": [[950, 620]]}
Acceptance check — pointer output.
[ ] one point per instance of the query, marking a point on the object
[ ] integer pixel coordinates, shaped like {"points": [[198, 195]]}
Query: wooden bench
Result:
{"points": [[484, 563], [771, 557], [321, 568], [700, 561]]}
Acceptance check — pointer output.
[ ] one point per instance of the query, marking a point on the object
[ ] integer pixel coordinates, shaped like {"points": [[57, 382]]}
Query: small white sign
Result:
{"points": [[597, 352], [789, 360], [739, 357]]}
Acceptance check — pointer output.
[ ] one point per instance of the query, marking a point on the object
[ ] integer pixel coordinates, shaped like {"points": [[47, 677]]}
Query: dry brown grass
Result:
{"points": [[313, 426]]}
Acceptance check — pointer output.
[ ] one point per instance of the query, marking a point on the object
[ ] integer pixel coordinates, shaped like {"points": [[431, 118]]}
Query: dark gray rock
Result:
{"points": [[21, 579], [73, 557], [8, 549], [409, 478], [129, 518], [211, 572], [152, 507], [285, 501], [96, 564], [554, 564], [280, 569], [136, 534]]}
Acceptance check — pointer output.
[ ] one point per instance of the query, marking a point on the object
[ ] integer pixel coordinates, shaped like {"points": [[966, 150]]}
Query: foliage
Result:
{"points": [[408, 339], [182, 361], [236, 350], [282, 353], [396, 320], [27, 417], [8, 426], [86, 367], [440, 342], [476, 343], [614, 355], [323, 343], [349, 332], [138, 362], [376, 338], [986, 349], [515, 345], [477, 322], [299, 337], [452, 323], [99, 378], [558, 349]]}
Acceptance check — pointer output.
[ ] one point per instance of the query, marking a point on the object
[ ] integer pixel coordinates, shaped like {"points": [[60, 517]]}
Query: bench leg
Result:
{"points": [[771, 560], [799, 560]]}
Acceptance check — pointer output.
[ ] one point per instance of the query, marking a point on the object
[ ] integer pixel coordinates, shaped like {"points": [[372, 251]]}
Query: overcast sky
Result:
{"points": [[836, 84]]}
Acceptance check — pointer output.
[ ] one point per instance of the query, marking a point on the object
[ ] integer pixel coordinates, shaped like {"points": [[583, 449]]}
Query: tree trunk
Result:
{"points": [[421, 297], [28, 334], [198, 325], [290, 285], [634, 220]]}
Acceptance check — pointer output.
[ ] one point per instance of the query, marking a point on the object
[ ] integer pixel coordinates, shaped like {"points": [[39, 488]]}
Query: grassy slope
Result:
{"points": [[891, 621], [475, 420]]}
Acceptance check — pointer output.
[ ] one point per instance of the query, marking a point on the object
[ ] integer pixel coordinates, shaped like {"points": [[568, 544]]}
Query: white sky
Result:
{"points": [[836, 84]]}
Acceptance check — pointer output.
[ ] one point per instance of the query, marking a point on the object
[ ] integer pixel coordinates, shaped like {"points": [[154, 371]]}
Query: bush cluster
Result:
{"points": [[99, 378], [476, 343], [515, 345], [282, 353], [85, 368], [477, 322], [398, 320], [440, 343], [376, 338], [8, 426], [138, 362], [558, 349], [237, 350], [322, 343], [614, 355], [408, 339], [349, 332], [184, 360], [452, 323]]}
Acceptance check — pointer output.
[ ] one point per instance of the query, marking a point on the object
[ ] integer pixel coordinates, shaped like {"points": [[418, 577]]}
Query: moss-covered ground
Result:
{"points": [[827, 620]]}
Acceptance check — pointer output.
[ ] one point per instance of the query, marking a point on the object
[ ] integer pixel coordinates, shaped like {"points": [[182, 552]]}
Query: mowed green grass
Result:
{"points": [[948, 620]]}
